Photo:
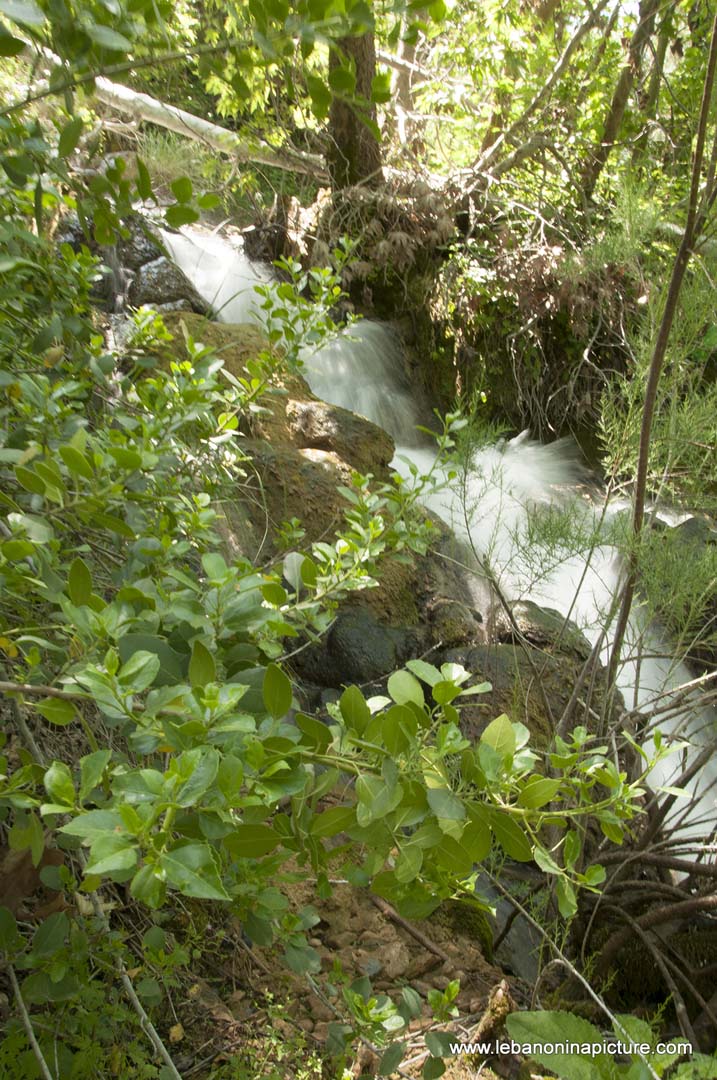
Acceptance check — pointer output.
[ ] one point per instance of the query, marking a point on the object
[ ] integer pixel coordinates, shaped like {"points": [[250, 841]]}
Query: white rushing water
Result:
{"points": [[490, 509]]}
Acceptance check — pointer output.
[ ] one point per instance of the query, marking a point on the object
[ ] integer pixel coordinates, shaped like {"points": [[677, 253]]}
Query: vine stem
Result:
{"points": [[27, 1024], [693, 225]]}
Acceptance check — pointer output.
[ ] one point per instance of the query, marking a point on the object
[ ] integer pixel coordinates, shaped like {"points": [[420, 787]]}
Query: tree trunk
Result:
{"points": [[143, 107], [355, 154], [613, 121]]}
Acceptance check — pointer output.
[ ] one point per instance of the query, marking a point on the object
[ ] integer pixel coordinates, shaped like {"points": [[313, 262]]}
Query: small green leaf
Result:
{"points": [[144, 182], [427, 672], [277, 692], [79, 582], [57, 710], [202, 669], [381, 88]]}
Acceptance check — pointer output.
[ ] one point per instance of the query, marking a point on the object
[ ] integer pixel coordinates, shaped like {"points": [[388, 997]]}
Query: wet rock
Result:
{"points": [[531, 686], [140, 247], [321, 426], [162, 282], [541, 626], [357, 649]]}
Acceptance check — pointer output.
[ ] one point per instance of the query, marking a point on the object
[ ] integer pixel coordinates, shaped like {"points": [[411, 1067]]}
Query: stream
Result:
{"points": [[491, 509]]}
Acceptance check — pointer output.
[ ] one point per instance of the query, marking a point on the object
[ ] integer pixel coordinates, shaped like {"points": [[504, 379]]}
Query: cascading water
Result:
{"points": [[489, 510]]}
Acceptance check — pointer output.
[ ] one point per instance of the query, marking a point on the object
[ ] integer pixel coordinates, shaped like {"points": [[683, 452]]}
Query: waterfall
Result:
{"points": [[489, 509]]}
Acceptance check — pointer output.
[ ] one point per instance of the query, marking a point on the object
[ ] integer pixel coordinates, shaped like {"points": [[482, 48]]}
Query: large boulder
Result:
{"points": [[162, 282]]}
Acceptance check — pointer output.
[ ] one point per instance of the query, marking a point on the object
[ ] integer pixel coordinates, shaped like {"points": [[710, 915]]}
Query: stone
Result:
{"points": [[357, 648], [140, 247], [321, 426], [541, 626], [162, 282]]}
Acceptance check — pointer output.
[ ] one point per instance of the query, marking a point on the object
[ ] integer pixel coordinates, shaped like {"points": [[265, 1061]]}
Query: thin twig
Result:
{"points": [[27, 1024]]}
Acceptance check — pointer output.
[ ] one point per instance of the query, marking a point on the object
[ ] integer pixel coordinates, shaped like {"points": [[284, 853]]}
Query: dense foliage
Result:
{"points": [[154, 747]]}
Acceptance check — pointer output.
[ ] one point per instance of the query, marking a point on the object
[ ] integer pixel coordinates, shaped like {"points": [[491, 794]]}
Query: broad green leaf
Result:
{"points": [[202, 766], [58, 784], [274, 593], [92, 768], [404, 687], [445, 805], [79, 582], [354, 709], [320, 96], [139, 672], [70, 136], [9, 936], [192, 870], [316, 734], [51, 934], [28, 833], [94, 824], [545, 861], [181, 214], [148, 887], [302, 959], [499, 735], [567, 900], [107, 38], [342, 80], [542, 1028], [76, 462], [538, 791], [427, 672], [111, 854], [511, 837], [182, 189], [376, 798], [9, 45], [57, 710], [277, 692], [24, 12], [251, 841], [391, 1058], [202, 669], [336, 820]]}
